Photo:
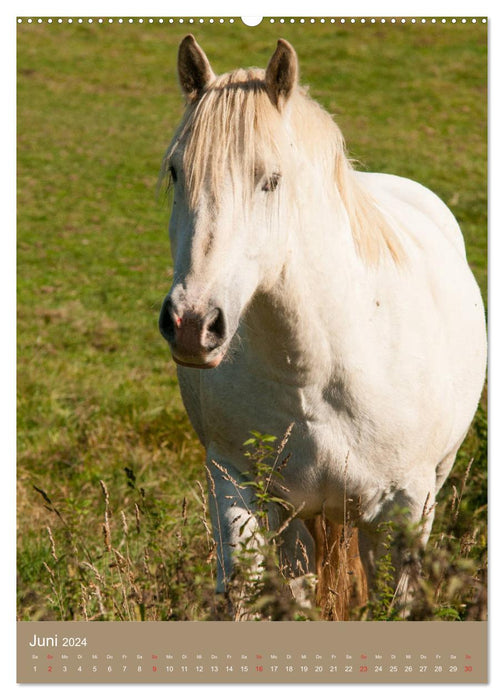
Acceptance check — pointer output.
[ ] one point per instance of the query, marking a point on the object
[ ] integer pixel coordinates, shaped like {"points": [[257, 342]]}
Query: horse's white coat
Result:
{"points": [[378, 365]]}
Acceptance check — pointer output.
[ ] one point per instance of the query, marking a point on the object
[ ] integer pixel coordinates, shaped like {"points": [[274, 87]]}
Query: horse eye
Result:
{"points": [[271, 183], [173, 173]]}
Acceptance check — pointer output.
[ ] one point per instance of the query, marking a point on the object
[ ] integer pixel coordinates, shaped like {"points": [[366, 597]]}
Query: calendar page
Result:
{"points": [[252, 400]]}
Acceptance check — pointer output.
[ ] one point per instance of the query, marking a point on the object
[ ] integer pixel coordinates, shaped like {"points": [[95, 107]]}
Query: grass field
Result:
{"points": [[111, 515]]}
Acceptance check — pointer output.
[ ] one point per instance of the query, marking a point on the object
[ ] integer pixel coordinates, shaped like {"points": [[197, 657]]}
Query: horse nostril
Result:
{"points": [[214, 328], [168, 320], [215, 324]]}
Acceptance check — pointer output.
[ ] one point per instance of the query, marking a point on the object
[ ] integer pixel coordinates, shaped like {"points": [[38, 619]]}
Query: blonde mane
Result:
{"points": [[234, 128]]}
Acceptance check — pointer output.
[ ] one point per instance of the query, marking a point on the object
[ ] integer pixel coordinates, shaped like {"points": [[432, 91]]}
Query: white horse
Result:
{"points": [[307, 294]]}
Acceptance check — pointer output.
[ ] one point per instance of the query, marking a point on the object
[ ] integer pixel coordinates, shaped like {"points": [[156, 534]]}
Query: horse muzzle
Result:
{"points": [[196, 340]]}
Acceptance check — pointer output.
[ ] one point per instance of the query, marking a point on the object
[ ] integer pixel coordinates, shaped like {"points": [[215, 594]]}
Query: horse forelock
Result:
{"points": [[234, 130], [231, 131]]}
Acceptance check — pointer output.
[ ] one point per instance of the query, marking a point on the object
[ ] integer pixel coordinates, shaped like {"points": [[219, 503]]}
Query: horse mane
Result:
{"points": [[235, 128]]}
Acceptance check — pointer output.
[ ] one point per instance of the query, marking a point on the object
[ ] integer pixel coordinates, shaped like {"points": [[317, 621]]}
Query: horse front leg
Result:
{"points": [[257, 550], [391, 551], [236, 531]]}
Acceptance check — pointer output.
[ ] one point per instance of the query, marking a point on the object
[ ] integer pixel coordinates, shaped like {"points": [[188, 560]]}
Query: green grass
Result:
{"points": [[97, 392]]}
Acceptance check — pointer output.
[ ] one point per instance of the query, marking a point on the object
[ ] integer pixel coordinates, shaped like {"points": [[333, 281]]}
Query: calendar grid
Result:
{"points": [[217, 652]]}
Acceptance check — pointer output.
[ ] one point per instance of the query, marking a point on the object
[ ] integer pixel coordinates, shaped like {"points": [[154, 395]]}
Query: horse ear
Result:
{"points": [[281, 73], [195, 72]]}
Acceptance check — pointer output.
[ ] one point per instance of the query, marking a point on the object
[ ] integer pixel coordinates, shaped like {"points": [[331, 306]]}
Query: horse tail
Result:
{"points": [[341, 580]]}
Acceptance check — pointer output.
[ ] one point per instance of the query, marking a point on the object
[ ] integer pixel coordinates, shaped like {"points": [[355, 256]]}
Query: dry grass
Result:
{"points": [[143, 569]]}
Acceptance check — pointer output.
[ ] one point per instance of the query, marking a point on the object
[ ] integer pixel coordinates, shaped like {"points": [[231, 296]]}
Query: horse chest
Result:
{"points": [[324, 455]]}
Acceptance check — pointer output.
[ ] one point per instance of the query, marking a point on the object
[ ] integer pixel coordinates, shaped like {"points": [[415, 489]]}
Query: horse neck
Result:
{"points": [[293, 325]]}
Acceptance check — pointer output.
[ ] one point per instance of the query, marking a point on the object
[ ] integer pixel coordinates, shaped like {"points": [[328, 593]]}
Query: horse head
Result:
{"points": [[226, 164]]}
